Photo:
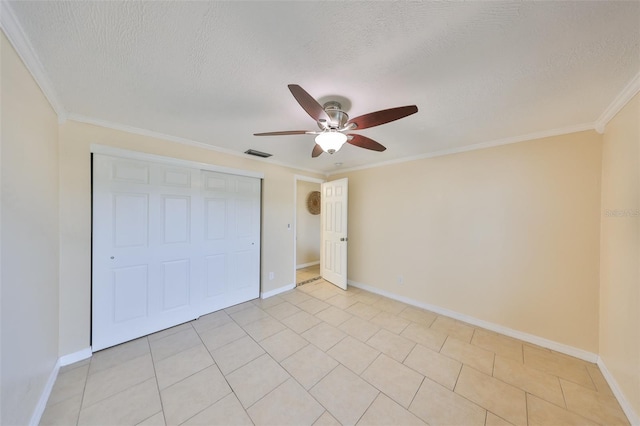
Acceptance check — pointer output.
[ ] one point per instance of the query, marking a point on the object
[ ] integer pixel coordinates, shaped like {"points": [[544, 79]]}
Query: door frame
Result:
{"points": [[297, 178]]}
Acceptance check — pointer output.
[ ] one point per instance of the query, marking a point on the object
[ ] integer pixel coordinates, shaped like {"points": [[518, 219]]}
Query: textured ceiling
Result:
{"points": [[216, 72]]}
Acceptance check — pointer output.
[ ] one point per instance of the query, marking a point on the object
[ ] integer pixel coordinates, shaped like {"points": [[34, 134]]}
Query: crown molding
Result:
{"points": [[20, 42], [149, 133], [490, 144], [629, 91]]}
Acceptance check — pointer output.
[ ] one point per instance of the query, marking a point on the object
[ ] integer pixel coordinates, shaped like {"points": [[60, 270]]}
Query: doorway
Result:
{"points": [[307, 230]]}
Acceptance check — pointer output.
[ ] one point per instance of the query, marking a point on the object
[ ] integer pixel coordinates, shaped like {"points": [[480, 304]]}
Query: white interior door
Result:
{"points": [[154, 265], [333, 253]]}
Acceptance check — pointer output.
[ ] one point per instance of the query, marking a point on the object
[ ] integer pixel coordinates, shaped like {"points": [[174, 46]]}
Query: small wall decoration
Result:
{"points": [[313, 202]]}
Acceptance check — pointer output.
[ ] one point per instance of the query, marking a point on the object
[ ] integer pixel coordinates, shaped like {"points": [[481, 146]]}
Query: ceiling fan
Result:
{"points": [[334, 123]]}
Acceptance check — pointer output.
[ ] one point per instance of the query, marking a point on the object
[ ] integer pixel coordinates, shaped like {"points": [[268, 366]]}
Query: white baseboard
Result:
{"points": [[44, 396], [36, 416], [306, 265], [530, 338], [632, 416], [267, 294], [75, 357]]}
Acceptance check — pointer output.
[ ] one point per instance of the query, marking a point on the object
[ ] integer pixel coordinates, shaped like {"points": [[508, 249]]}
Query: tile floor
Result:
{"points": [[320, 356], [309, 273]]}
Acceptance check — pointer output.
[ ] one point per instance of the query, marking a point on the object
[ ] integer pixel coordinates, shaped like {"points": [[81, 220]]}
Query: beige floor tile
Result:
{"points": [[155, 420], [288, 404], [248, 315], [174, 343], [494, 395], [212, 320], [111, 381], [313, 305], [309, 365], [256, 379], [236, 354], [454, 328], [188, 397], [417, 315], [437, 405], [69, 384], [397, 347], [169, 331], [239, 307], [359, 328], [268, 302], [326, 419], [565, 367], [228, 411], [341, 301], [294, 297], [310, 287], [467, 353], [367, 298], [129, 407], [283, 344], [181, 365], [263, 328], [215, 338], [333, 316], [596, 406], [301, 322], [390, 322], [543, 413], [282, 310], [393, 379], [389, 305], [493, 420], [324, 336], [353, 354], [424, 335], [325, 291], [115, 355], [332, 393], [363, 310], [69, 367], [500, 345], [598, 380], [62, 413], [435, 366], [384, 412], [529, 379]]}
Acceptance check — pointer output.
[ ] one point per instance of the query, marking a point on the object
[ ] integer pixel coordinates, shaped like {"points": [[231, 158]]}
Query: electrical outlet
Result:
{"points": [[271, 275], [400, 280]]}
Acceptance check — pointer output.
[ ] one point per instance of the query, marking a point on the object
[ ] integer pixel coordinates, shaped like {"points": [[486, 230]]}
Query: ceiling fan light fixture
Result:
{"points": [[332, 141]]}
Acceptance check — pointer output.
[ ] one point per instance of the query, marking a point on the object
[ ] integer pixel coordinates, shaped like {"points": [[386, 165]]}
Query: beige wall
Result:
{"points": [[307, 226], [75, 216], [508, 235], [620, 252], [29, 330]]}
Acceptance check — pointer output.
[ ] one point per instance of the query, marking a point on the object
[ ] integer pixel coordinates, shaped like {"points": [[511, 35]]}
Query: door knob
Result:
{"points": [[344, 239]]}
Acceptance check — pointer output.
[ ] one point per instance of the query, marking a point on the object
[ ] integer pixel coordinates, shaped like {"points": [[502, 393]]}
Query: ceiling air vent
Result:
{"points": [[257, 153]]}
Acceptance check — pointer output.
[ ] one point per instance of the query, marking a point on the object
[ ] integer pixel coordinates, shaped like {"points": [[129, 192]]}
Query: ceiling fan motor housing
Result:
{"points": [[337, 118]]}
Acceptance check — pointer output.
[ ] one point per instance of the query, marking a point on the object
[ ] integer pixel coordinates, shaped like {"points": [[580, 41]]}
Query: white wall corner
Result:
{"points": [[20, 42], [274, 292], [44, 396], [629, 91], [632, 416]]}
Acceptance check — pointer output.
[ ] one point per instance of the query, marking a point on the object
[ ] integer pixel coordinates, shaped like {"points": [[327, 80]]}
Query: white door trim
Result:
{"points": [[144, 156]]}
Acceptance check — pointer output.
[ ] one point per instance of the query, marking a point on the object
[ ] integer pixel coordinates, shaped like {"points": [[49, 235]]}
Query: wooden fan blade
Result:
{"points": [[285, 132], [308, 103], [381, 117], [366, 143], [317, 150]]}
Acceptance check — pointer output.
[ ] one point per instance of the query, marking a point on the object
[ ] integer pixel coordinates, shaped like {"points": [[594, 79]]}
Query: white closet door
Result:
{"points": [[231, 245], [150, 228]]}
